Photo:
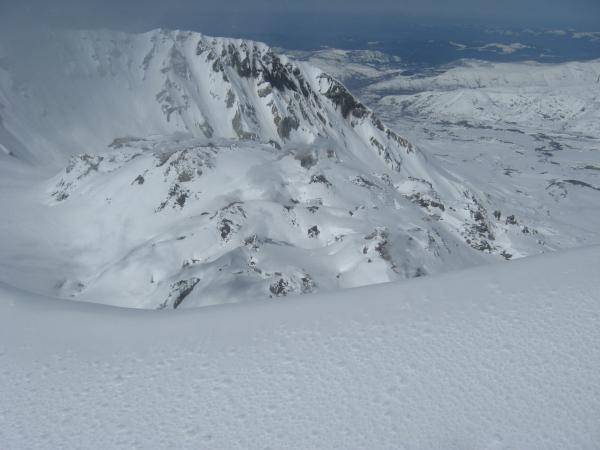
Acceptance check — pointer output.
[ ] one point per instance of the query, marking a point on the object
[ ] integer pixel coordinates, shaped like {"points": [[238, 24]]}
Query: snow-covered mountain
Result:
{"points": [[557, 97], [206, 170], [479, 74], [93, 87]]}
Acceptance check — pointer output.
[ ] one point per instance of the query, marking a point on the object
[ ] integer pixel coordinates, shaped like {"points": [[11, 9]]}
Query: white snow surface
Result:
{"points": [[502, 356]]}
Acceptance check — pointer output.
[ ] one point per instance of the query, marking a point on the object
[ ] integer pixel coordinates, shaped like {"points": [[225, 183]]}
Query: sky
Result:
{"points": [[146, 14]]}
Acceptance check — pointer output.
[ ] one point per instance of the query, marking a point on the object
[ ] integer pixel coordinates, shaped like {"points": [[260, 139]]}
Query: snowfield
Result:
{"points": [[504, 356]]}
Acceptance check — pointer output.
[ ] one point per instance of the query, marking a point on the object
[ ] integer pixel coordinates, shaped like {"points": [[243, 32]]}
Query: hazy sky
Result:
{"points": [[173, 13]]}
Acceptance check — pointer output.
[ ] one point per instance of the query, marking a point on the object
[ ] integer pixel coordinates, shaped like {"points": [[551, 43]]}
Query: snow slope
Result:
{"points": [[502, 356]]}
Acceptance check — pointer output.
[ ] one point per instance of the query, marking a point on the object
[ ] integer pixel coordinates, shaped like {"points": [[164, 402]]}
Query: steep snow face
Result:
{"points": [[208, 170], [493, 357], [81, 90]]}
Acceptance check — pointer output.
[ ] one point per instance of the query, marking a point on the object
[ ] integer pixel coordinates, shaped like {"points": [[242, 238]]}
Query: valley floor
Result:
{"points": [[501, 356]]}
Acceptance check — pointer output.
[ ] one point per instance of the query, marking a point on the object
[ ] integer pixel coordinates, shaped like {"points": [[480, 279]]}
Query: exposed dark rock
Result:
{"points": [[479, 234], [482, 246], [420, 272], [185, 176], [230, 100], [177, 194], [307, 159], [181, 198], [426, 202], [581, 184], [225, 228], [89, 162], [320, 179], [170, 105], [386, 154], [180, 291], [275, 144], [308, 284], [400, 140], [279, 288], [206, 129], [123, 142], [383, 249], [362, 181], [279, 76], [252, 242], [342, 98], [285, 126], [248, 62], [313, 232], [263, 92], [217, 66], [60, 196], [244, 66], [138, 180]]}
